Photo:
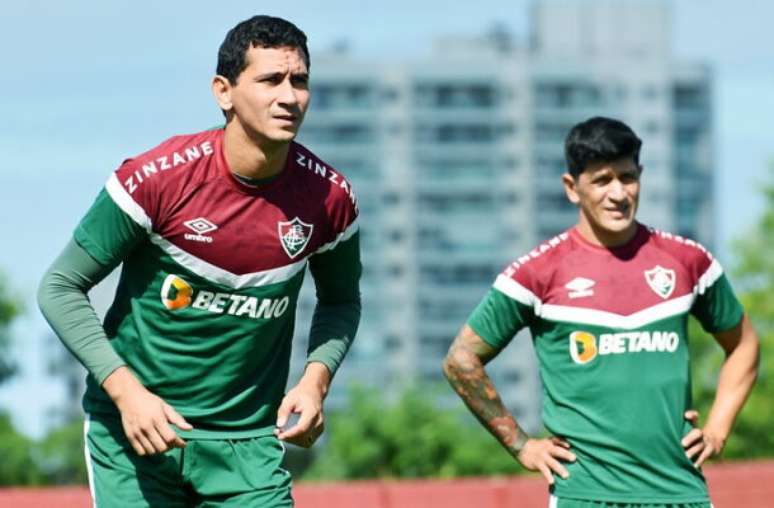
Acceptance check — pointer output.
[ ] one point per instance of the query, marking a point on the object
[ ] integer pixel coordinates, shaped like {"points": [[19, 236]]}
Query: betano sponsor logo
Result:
{"points": [[584, 346], [177, 294]]}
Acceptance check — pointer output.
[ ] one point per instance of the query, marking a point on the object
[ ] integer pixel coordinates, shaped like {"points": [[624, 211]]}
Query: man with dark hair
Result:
{"points": [[607, 304], [186, 393]]}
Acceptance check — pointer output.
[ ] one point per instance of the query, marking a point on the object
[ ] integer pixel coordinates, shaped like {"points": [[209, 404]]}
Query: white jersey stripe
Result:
{"points": [[342, 237], [583, 315], [224, 277], [553, 501], [126, 203], [580, 315], [87, 454], [709, 277], [513, 289]]}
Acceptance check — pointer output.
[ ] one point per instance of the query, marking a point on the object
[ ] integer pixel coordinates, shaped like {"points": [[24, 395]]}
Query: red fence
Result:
{"points": [[737, 485]]}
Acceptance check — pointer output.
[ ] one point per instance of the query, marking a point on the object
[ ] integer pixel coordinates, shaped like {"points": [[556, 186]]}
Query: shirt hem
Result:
{"points": [[112, 414]]}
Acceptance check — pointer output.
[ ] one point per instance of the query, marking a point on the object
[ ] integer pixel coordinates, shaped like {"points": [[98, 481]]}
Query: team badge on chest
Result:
{"points": [[661, 280], [294, 236]]}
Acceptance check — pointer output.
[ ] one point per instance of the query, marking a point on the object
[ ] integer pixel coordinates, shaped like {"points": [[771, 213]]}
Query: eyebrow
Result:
{"points": [[280, 73], [269, 75]]}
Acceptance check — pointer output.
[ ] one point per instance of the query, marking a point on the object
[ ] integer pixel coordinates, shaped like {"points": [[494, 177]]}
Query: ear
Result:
{"points": [[221, 89], [570, 188]]}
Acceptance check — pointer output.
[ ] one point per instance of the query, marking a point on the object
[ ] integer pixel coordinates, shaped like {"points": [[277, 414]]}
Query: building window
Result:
{"points": [[479, 202], [391, 198], [343, 95], [446, 95], [457, 274], [395, 236], [686, 96], [392, 343], [395, 271], [568, 95], [338, 133]]}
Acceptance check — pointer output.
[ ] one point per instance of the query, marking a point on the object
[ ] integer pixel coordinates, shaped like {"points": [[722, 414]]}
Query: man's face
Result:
{"points": [[271, 94], [608, 194]]}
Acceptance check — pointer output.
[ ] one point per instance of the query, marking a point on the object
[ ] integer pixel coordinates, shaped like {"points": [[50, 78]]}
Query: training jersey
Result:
{"points": [[205, 306], [609, 329]]}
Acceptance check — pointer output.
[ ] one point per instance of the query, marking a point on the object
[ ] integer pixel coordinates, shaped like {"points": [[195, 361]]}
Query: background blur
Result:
{"points": [[449, 120]]}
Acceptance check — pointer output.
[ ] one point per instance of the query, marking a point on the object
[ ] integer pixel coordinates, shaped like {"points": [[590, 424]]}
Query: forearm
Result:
{"points": [[332, 332], [119, 383], [466, 374], [63, 300], [736, 380], [336, 317], [317, 377]]}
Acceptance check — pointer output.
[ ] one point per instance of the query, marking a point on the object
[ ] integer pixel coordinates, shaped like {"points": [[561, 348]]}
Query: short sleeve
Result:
{"points": [[716, 306], [498, 317], [106, 232]]}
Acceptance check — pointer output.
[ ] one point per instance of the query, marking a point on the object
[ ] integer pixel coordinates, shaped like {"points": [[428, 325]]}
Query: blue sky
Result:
{"points": [[87, 84]]}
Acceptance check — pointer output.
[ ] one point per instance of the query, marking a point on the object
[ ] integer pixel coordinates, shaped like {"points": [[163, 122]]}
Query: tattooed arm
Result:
{"points": [[464, 368]]}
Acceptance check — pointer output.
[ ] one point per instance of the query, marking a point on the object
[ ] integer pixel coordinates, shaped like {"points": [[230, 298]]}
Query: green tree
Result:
{"points": [[9, 309], [753, 277], [410, 438], [17, 466], [60, 455]]}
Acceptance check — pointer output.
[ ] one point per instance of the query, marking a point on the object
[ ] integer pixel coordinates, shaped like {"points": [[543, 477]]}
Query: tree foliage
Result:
{"points": [[17, 466], [413, 437], [9, 309], [753, 277], [60, 455]]}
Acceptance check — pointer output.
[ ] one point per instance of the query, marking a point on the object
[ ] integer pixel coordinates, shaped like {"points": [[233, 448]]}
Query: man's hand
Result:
{"points": [[305, 399], [144, 416], [699, 444], [544, 455]]}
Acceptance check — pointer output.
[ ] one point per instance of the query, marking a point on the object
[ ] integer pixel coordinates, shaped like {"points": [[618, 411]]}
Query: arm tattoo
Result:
{"points": [[464, 368]]}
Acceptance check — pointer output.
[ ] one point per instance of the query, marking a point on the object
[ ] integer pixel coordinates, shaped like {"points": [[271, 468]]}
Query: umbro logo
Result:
{"points": [[199, 226], [580, 287]]}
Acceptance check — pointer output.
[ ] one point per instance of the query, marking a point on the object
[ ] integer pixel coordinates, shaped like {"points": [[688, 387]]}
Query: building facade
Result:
{"points": [[456, 160]]}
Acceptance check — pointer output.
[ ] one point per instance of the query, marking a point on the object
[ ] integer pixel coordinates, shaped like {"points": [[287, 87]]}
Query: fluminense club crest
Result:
{"points": [[294, 236], [661, 280]]}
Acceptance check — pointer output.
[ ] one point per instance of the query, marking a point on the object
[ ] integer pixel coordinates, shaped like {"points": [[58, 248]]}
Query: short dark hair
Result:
{"points": [[599, 139], [257, 32]]}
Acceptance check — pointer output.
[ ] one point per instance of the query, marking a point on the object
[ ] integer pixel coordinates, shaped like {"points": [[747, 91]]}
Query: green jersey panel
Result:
{"points": [[205, 308], [610, 332]]}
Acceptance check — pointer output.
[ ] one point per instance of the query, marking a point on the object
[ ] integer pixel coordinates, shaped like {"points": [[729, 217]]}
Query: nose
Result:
{"points": [[287, 93], [616, 190]]}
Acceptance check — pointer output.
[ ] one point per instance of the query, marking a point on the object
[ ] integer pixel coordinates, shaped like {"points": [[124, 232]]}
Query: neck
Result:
{"points": [[250, 157], [606, 238]]}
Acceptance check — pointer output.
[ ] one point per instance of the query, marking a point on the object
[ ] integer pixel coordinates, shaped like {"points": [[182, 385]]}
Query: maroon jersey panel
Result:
{"points": [[650, 269], [192, 199]]}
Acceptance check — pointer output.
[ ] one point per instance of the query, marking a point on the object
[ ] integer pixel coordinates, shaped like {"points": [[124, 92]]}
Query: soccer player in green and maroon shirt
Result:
{"points": [[186, 393], [607, 304]]}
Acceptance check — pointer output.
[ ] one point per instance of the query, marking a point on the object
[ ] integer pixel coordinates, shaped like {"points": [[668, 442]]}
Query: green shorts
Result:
{"points": [[206, 473], [556, 502]]}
